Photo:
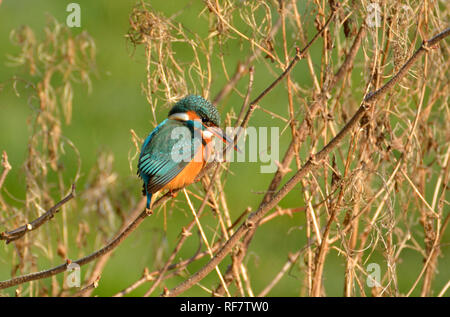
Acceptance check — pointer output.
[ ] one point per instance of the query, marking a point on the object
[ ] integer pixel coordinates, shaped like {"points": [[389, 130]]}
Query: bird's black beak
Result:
{"points": [[219, 133]]}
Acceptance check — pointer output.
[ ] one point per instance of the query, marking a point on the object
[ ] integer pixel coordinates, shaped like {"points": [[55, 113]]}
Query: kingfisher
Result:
{"points": [[175, 152]]}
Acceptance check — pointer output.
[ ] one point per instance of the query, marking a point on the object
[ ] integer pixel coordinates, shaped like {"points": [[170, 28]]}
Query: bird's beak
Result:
{"points": [[218, 132]]}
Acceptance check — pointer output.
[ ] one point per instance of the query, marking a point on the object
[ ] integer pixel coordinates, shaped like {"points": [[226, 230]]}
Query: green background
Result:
{"points": [[102, 121]]}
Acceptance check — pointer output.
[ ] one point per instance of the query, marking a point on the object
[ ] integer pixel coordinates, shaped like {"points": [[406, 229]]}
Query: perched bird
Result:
{"points": [[176, 151]]}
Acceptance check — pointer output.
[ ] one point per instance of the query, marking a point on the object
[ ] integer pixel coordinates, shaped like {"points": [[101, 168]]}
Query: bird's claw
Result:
{"points": [[148, 211]]}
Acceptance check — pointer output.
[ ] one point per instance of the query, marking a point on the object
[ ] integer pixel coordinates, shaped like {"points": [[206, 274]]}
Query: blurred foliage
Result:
{"points": [[75, 104]]}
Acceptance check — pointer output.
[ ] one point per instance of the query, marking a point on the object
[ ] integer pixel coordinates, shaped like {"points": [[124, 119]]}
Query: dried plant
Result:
{"points": [[368, 144]]}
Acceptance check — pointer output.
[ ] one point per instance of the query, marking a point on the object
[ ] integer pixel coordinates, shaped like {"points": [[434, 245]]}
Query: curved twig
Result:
{"points": [[89, 258], [18, 233], [309, 166]]}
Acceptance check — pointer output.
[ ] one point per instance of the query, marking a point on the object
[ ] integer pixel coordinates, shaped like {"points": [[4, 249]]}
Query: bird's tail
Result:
{"points": [[145, 192], [149, 199]]}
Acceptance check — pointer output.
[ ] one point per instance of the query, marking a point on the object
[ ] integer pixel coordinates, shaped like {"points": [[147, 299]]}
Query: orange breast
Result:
{"points": [[190, 172]]}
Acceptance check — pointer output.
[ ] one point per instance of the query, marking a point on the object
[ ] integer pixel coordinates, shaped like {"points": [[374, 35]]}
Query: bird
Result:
{"points": [[177, 150]]}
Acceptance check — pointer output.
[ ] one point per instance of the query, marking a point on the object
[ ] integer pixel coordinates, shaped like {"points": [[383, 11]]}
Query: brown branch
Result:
{"points": [[241, 69], [146, 277], [22, 230], [176, 267], [425, 47], [91, 257], [185, 233], [300, 135], [292, 258], [86, 291], [349, 58], [251, 72], [323, 249], [6, 168], [311, 165], [100, 264], [299, 55]]}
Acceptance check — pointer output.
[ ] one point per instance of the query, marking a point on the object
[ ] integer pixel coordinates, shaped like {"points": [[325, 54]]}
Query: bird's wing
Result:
{"points": [[165, 153]]}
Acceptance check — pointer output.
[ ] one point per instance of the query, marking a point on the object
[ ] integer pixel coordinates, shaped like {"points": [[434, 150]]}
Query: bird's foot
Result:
{"points": [[148, 211]]}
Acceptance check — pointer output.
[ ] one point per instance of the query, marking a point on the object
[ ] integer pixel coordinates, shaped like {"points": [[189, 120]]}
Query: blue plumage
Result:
{"points": [[164, 154], [172, 145]]}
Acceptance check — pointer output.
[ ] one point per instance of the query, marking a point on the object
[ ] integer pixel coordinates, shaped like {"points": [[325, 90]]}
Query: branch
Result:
{"points": [[21, 231], [89, 258], [6, 168], [84, 292], [100, 264], [299, 137], [241, 69], [177, 267], [424, 48], [185, 233], [309, 166], [300, 54]]}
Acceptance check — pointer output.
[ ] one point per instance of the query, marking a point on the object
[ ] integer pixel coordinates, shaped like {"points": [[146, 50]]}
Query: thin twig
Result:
{"points": [[6, 168], [91, 257], [18, 233], [86, 291], [179, 266], [205, 240], [444, 289], [300, 135], [292, 258], [185, 233], [311, 165]]}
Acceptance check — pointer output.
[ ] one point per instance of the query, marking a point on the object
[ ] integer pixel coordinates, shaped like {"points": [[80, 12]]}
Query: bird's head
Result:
{"points": [[197, 108], [202, 113]]}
